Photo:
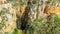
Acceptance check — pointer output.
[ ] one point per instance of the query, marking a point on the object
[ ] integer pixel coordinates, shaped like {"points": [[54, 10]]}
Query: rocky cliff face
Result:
{"points": [[30, 16], [7, 17]]}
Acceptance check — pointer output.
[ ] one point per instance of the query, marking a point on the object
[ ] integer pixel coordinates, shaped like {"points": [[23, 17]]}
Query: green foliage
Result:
{"points": [[30, 30], [57, 19], [15, 31], [42, 27], [36, 26], [6, 33], [59, 0], [11, 0]]}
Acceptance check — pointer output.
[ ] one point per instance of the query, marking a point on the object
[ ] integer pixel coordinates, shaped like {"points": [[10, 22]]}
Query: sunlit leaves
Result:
{"points": [[6, 33], [15, 31], [57, 19]]}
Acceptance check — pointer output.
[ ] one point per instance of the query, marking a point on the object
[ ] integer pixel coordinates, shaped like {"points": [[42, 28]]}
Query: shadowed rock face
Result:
{"points": [[23, 20], [21, 17]]}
